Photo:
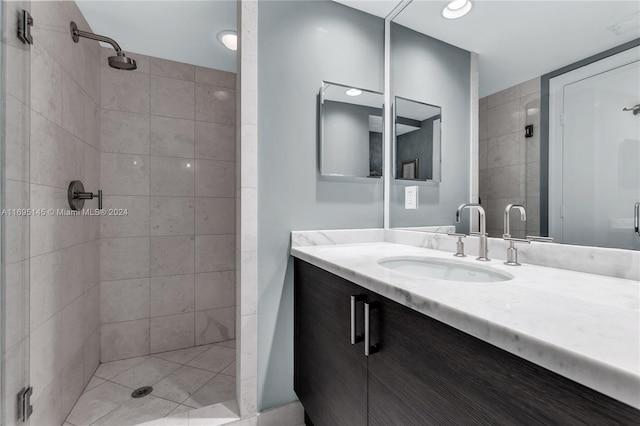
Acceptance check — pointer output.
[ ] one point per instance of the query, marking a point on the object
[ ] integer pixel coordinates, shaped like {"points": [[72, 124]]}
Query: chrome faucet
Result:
{"points": [[507, 210], [483, 249]]}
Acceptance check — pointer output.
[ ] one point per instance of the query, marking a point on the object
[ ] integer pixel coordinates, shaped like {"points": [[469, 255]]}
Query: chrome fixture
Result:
{"points": [[355, 338], [539, 239], [25, 22], [483, 248], [512, 252], [507, 210], [635, 109], [120, 61], [636, 218], [459, 244], [76, 195]]}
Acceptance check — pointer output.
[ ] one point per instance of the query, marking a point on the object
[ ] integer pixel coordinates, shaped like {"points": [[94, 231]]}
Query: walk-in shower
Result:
{"points": [[120, 61]]}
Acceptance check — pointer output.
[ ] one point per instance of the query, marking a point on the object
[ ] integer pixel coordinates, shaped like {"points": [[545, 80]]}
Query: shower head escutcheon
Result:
{"points": [[120, 61]]}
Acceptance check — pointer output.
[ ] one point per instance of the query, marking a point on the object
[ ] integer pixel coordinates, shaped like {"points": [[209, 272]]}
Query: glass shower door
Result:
{"points": [[14, 202], [601, 159]]}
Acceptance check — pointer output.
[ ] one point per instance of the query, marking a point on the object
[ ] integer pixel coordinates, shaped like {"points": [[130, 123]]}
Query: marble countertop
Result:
{"points": [[583, 326]]}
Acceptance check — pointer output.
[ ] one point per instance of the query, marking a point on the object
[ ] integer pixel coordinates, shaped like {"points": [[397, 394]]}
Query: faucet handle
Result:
{"points": [[539, 239], [459, 244], [512, 252]]}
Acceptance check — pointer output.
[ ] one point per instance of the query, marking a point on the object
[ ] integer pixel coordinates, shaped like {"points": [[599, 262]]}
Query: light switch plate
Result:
{"points": [[411, 197]]}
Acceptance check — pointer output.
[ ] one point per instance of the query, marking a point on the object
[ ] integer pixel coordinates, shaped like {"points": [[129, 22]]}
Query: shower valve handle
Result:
{"points": [[76, 195]]}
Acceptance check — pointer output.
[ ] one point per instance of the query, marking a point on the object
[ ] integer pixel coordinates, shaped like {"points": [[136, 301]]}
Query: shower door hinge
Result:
{"points": [[24, 404], [25, 22]]}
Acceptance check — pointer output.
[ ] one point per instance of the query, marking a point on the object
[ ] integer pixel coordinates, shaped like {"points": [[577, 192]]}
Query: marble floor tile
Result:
{"points": [[147, 373], [220, 388], [182, 383], [183, 356], [98, 402], [228, 344], [136, 411], [109, 370], [230, 370], [94, 382], [219, 414], [216, 359]]}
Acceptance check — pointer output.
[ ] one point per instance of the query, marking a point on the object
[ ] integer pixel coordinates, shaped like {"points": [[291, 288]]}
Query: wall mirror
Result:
{"points": [[417, 140], [350, 131]]}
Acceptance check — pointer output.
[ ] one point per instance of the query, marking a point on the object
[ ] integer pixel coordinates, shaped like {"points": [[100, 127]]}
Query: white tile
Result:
{"points": [[124, 174], [109, 370], [95, 381], [172, 332], [171, 255], [124, 339], [147, 373], [219, 389], [215, 359], [172, 295], [215, 178], [214, 290], [136, 411], [215, 216], [124, 132], [124, 258], [124, 300], [172, 176], [172, 216], [135, 223], [215, 141], [182, 383], [214, 253], [97, 403], [172, 98], [183, 356], [172, 137]]}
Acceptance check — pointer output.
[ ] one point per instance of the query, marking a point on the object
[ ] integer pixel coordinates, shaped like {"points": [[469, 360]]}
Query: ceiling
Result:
{"points": [[179, 30], [518, 39]]}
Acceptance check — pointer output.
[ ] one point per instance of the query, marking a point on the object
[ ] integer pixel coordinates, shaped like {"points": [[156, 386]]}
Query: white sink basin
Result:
{"points": [[441, 269]]}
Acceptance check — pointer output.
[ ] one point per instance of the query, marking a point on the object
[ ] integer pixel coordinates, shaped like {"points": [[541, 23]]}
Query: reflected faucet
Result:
{"points": [[507, 210], [483, 249]]}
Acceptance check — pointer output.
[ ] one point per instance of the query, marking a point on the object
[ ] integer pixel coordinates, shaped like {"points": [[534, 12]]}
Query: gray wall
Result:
{"points": [[431, 71], [325, 41]]}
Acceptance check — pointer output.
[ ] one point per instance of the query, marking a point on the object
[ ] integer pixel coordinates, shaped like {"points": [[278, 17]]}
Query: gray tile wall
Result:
{"points": [[167, 277], [54, 120], [509, 163]]}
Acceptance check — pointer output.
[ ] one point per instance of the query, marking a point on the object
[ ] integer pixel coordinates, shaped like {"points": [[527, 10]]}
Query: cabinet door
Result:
{"points": [[330, 374], [427, 373]]}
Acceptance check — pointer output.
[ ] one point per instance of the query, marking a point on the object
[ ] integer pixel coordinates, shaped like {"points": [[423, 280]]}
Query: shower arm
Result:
{"points": [[76, 34]]}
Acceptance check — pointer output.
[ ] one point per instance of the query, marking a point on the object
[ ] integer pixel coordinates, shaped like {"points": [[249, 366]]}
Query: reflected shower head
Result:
{"points": [[120, 61]]}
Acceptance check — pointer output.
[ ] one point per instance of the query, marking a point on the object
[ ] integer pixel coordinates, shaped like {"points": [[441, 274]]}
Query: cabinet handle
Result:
{"points": [[354, 338], [368, 348]]}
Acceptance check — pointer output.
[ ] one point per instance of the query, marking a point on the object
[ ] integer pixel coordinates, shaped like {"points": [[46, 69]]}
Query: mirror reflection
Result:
{"points": [[417, 147], [350, 131]]}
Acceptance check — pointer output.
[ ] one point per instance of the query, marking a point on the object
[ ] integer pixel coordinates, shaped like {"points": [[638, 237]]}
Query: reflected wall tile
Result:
{"points": [[171, 255], [172, 176], [215, 178], [46, 85], [501, 182], [503, 96], [215, 104], [124, 91], [503, 151], [172, 137], [172, 295], [124, 132], [533, 180], [215, 325], [215, 216], [123, 258], [172, 69], [529, 87], [215, 253], [124, 300], [124, 340], [134, 224], [172, 332], [504, 119], [215, 141], [171, 216], [214, 290], [216, 77], [172, 98], [124, 174]]}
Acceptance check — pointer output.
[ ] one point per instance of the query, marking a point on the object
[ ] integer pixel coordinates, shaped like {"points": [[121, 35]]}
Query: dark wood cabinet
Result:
{"points": [[421, 371]]}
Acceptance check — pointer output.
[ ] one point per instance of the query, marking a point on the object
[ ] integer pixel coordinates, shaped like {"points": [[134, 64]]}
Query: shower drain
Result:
{"points": [[140, 392]]}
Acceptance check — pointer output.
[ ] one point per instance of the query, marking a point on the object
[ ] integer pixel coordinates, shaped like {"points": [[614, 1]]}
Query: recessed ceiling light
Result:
{"points": [[457, 9], [353, 92], [229, 39]]}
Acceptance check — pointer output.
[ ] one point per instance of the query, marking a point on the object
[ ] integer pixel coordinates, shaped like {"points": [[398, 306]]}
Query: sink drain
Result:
{"points": [[140, 392]]}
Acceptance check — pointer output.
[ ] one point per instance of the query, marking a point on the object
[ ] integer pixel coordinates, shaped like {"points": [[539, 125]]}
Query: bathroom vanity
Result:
{"points": [[528, 345]]}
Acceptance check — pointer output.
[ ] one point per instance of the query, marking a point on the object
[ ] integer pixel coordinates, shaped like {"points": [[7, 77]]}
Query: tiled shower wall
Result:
{"points": [[57, 142], [509, 163], [168, 158]]}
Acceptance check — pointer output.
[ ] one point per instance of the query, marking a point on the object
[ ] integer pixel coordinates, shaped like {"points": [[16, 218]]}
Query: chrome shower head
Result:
{"points": [[120, 61]]}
